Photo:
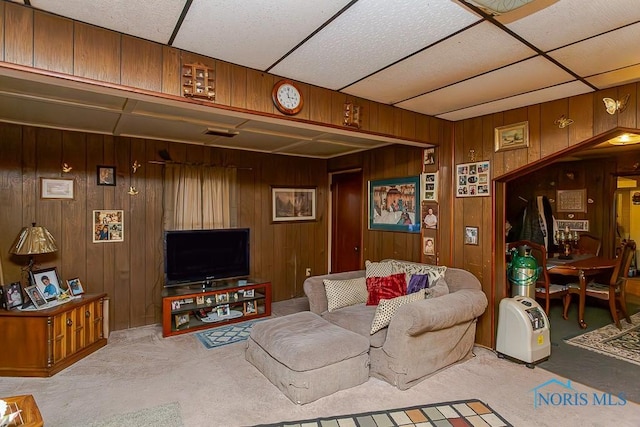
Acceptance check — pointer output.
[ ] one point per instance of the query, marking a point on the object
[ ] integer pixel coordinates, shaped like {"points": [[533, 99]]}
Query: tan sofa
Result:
{"points": [[423, 336]]}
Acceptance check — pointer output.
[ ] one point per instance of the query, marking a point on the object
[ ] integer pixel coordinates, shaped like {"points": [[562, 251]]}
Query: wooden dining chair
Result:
{"points": [[588, 244], [614, 290], [545, 290]]}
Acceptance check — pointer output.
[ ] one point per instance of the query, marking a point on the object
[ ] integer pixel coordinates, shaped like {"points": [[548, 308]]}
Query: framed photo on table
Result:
{"points": [[35, 296], [75, 287], [12, 295], [47, 282]]}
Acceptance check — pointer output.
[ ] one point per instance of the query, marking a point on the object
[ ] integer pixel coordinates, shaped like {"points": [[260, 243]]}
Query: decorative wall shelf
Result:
{"points": [[198, 81]]}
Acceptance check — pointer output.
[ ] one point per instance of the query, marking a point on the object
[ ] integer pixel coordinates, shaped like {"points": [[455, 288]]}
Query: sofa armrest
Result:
{"points": [[315, 292], [438, 313]]}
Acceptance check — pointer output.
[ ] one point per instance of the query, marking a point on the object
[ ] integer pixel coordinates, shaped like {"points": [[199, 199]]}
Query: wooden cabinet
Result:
{"points": [[186, 309], [198, 82], [40, 343]]}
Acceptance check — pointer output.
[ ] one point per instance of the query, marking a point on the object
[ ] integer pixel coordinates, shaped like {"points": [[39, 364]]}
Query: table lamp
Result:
{"points": [[34, 240]]}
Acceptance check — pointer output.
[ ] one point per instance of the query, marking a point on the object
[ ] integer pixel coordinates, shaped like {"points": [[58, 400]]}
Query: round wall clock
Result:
{"points": [[287, 97]]}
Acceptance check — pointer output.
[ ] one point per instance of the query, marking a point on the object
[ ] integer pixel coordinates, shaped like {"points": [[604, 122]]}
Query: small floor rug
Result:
{"points": [[609, 340], [229, 334], [461, 413], [164, 415]]}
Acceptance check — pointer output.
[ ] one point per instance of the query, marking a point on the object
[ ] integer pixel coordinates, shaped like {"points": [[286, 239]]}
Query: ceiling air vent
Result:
{"points": [[227, 133]]}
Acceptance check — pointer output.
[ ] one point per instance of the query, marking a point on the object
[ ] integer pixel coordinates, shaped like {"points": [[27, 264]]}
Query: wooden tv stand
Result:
{"points": [[195, 307]]}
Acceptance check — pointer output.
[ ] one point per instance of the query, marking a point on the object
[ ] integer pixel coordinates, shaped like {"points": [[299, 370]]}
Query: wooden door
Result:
{"points": [[346, 221]]}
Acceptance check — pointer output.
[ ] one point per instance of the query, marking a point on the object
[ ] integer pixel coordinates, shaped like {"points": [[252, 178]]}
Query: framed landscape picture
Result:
{"points": [[512, 136], [394, 204], [293, 204]]}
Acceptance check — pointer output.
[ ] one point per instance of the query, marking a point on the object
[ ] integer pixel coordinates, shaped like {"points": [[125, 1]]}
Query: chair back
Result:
{"points": [[589, 244], [539, 252], [621, 271]]}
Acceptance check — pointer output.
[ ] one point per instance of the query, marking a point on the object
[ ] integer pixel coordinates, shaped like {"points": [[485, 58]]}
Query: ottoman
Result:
{"points": [[307, 357]]}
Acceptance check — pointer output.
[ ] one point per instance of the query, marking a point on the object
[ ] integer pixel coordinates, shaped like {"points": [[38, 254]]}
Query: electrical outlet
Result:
{"points": [[307, 272]]}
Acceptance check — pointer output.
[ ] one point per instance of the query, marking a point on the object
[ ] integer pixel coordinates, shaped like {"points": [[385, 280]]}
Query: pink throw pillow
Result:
{"points": [[387, 287]]}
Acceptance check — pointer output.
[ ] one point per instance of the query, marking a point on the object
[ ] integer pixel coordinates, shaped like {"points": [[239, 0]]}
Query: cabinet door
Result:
{"points": [[60, 341], [92, 313]]}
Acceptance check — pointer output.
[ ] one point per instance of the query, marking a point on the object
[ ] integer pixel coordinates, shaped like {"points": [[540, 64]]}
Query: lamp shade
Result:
{"points": [[33, 241]]}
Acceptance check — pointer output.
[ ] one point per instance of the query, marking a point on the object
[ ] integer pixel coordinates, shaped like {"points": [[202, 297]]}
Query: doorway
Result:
{"points": [[346, 221]]}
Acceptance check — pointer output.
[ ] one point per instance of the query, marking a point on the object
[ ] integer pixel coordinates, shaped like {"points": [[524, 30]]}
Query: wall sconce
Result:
{"points": [[66, 168], [351, 115], [562, 121], [616, 106]]}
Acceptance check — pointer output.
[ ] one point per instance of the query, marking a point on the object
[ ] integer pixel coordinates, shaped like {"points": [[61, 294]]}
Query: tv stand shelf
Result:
{"points": [[193, 307]]}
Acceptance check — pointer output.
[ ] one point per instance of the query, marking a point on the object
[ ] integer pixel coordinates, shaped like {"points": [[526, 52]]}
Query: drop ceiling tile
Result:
{"points": [[148, 19], [197, 114], [615, 78], [162, 129], [568, 21], [535, 97], [621, 49], [36, 112], [316, 149], [282, 129], [369, 36], [254, 33], [474, 51], [525, 76], [253, 142]]}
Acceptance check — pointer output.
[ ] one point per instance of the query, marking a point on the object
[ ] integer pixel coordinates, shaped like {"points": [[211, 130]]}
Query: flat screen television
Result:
{"points": [[202, 256]]}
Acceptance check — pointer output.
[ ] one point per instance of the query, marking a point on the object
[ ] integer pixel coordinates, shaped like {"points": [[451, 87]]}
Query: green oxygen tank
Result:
{"points": [[522, 272]]}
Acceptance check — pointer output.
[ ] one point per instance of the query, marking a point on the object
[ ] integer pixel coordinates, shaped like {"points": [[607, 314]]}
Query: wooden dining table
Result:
{"points": [[582, 266]]}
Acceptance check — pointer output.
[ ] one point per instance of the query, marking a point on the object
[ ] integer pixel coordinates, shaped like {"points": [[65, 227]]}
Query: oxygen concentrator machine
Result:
{"points": [[523, 331]]}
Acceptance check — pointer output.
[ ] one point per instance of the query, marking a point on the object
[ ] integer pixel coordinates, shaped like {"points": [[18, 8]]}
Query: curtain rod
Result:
{"points": [[172, 162]]}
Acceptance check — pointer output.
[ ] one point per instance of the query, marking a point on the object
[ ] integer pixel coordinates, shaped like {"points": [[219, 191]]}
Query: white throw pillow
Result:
{"points": [[378, 269], [387, 308], [343, 293]]}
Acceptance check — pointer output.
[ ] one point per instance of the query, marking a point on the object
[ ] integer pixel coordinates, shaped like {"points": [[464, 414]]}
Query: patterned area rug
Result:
{"points": [[229, 334], [609, 340], [462, 413]]}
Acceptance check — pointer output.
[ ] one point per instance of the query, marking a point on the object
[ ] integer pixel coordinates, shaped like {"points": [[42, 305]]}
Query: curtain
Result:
{"points": [[199, 197]]}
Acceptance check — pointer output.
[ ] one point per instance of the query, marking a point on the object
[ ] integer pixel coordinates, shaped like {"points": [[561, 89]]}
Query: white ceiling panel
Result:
{"points": [[481, 48], [148, 19], [317, 149], [568, 21], [254, 33], [535, 97], [621, 48], [615, 78], [370, 35], [518, 78]]}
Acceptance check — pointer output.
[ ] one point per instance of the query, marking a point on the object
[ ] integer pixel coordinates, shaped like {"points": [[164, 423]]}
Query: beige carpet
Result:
{"points": [[139, 369]]}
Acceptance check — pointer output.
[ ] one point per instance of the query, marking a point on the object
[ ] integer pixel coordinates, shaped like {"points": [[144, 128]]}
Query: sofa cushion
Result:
{"points": [[357, 318], [434, 272], [342, 293], [387, 287], [417, 282], [378, 269], [387, 308]]}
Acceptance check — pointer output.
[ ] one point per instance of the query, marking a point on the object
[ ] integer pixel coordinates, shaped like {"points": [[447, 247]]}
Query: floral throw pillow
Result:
{"points": [[387, 287]]}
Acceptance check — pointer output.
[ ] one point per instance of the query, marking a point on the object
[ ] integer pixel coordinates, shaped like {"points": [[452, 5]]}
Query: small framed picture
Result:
{"points": [[223, 310], [47, 282], [56, 188], [429, 246], [182, 320], [75, 287], [512, 136], [106, 175], [249, 293], [200, 300], [36, 296], [293, 204], [250, 308], [471, 235], [222, 298], [175, 305], [13, 295]]}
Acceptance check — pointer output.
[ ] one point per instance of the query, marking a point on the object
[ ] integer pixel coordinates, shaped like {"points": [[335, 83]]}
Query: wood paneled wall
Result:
{"points": [[545, 139], [131, 272]]}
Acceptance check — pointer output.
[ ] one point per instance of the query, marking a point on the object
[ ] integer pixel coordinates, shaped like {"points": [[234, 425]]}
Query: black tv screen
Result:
{"points": [[205, 255]]}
